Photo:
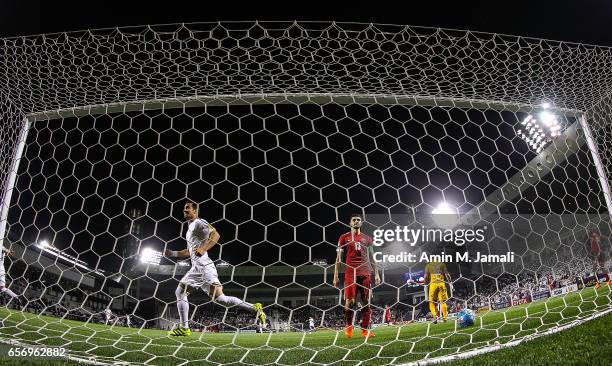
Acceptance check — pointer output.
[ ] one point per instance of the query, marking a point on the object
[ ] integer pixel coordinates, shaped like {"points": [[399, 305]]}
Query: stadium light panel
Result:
{"points": [[539, 129], [443, 209], [222, 264], [150, 256]]}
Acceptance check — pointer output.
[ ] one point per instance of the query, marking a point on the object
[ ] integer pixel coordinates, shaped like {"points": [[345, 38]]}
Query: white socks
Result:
{"points": [[231, 301], [183, 306]]}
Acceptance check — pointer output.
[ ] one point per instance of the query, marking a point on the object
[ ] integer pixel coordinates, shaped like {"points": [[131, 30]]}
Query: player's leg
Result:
{"points": [[596, 268], [443, 297], [349, 315], [182, 303], [216, 293], [444, 311], [601, 260], [433, 296], [218, 296], [366, 317], [350, 292]]}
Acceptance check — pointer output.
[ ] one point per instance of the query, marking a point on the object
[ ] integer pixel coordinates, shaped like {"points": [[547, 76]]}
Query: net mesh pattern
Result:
{"points": [[280, 131]]}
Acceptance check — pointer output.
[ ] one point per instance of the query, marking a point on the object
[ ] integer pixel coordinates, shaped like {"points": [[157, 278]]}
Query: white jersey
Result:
{"points": [[108, 313], [311, 322], [203, 273], [197, 235]]}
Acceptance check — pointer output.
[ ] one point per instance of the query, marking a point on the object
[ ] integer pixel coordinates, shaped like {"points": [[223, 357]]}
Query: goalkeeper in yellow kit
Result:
{"points": [[436, 274]]}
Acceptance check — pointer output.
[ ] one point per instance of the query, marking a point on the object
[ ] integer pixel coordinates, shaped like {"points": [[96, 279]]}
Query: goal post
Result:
{"points": [[604, 180], [9, 184]]}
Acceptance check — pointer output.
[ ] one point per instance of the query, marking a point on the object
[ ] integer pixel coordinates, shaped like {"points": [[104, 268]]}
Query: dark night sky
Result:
{"points": [[575, 21]]}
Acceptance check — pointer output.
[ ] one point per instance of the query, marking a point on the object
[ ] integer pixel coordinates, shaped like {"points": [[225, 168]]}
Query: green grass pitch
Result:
{"points": [[586, 343]]}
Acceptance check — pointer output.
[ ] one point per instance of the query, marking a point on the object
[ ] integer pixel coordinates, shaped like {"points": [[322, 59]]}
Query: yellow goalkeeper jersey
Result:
{"points": [[436, 272]]}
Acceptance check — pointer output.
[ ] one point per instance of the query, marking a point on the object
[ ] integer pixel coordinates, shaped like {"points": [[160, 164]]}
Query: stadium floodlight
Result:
{"points": [[51, 251], [540, 129], [222, 263], [150, 256], [445, 215], [443, 208], [547, 118]]}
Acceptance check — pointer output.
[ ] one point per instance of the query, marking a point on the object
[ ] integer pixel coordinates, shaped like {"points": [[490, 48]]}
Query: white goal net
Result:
{"points": [[280, 132]]}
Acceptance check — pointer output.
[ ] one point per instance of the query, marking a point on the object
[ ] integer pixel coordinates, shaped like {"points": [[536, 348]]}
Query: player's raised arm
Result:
{"points": [[177, 253]]}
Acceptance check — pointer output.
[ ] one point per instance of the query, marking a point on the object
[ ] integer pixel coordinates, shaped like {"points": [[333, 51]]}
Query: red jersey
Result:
{"points": [[356, 248], [595, 249]]}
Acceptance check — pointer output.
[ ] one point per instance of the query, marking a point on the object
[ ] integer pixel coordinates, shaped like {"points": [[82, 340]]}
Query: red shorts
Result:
{"points": [[360, 284]]}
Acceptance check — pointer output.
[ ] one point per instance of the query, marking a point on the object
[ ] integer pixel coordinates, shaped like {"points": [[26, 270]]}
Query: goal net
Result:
{"points": [[490, 153]]}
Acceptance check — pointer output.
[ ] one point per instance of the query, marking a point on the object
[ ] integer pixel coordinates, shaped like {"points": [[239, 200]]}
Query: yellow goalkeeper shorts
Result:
{"points": [[437, 292]]}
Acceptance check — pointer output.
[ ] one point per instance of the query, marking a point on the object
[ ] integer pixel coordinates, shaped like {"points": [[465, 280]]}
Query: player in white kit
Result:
{"points": [[108, 314], [311, 325], [128, 321], [3, 288], [200, 237]]}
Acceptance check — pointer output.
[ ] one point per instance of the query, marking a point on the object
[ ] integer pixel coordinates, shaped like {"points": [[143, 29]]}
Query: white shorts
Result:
{"points": [[202, 276]]}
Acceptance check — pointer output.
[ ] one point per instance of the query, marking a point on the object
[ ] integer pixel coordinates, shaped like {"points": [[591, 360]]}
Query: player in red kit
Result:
{"points": [[598, 255], [358, 249], [387, 318], [458, 307]]}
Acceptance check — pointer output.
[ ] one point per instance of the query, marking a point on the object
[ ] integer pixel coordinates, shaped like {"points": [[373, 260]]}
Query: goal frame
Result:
{"points": [[591, 124]]}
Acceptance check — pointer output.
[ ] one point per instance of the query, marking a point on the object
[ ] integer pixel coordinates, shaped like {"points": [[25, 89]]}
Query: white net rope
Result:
{"points": [[280, 132]]}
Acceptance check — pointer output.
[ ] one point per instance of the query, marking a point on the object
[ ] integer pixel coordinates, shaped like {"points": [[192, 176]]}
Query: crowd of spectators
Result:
{"points": [[474, 292], [483, 291]]}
